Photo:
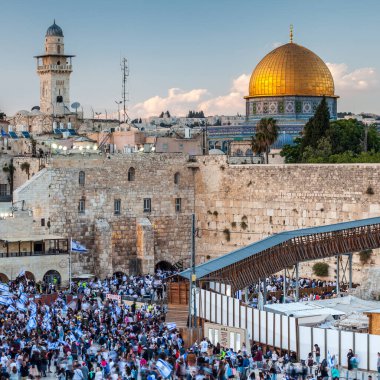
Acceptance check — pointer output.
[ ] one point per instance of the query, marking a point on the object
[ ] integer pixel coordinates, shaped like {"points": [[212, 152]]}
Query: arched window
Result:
{"points": [[131, 174], [176, 178], [82, 206], [82, 178], [238, 152], [59, 49], [249, 152], [52, 277]]}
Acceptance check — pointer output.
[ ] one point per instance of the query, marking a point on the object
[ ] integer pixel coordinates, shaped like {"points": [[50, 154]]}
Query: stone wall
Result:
{"points": [[235, 205], [54, 194], [255, 201]]}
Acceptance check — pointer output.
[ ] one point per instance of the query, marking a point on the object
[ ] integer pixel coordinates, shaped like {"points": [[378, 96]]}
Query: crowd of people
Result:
{"points": [[93, 337], [274, 286]]}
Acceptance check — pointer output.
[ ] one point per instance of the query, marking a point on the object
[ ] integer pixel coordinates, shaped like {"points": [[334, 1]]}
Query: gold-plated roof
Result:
{"points": [[291, 69]]}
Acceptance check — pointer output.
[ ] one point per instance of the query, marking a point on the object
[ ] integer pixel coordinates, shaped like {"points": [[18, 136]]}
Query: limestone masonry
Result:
{"points": [[235, 205]]}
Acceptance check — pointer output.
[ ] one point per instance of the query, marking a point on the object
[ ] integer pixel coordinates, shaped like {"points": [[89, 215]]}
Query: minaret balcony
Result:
{"points": [[61, 68]]}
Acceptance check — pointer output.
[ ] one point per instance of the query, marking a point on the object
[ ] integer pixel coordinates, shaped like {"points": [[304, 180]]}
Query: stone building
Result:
{"points": [[54, 68], [132, 212]]}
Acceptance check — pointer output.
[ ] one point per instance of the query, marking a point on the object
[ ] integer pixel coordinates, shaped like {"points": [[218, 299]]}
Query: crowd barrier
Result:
{"points": [[283, 332]]}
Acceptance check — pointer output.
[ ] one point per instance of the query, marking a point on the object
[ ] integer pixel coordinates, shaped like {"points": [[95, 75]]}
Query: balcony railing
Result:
{"points": [[54, 67], [33, 253]]}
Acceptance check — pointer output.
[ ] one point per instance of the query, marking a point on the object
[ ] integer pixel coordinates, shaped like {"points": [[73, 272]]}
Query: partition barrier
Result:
{"points": [[283, 332]]}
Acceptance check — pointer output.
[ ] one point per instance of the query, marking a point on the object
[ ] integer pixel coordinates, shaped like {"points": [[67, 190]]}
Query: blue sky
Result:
{"points": [[186, 54]]}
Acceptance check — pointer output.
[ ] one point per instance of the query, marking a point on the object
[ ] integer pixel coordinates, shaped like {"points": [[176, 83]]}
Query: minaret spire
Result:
{"points": [[291, 33]]}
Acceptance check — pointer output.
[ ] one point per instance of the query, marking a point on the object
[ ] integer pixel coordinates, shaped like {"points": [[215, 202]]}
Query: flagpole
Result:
{"points": [[70, 268]]}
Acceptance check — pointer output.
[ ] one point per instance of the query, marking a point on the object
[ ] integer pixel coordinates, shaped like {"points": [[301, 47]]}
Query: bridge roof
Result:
{"points": [[245, 265]]}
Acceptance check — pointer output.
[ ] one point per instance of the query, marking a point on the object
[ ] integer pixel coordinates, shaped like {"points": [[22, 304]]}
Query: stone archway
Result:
{"points": [[30, 276], [52, 277], [118, 274], [164, 265]]}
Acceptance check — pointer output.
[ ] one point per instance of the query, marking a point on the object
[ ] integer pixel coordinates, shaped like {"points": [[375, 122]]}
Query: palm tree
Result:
{"points": [[258, 143], [266, 133]]}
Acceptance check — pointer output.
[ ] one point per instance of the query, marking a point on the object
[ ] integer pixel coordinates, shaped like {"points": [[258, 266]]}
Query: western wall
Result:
{"points": [[235, 205]]}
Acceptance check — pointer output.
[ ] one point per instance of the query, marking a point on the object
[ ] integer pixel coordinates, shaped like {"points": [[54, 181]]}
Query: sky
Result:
{"points": [[184, 54]]}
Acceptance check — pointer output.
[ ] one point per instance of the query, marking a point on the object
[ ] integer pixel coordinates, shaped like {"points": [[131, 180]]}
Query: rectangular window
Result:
{"points": [[43, 222], [147, 205], [117, 206], [81, 206], [178, 205], [3, 189]]}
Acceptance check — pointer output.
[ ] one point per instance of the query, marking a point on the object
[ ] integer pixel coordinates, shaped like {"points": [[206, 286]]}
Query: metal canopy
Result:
{"points": [[247, 265]]}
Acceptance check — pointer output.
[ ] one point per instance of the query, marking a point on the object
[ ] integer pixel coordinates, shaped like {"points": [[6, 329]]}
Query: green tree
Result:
{"points": [[317, 126], [320, 154], [10, 169], [266, 135], [25, 167], [292, 153]]}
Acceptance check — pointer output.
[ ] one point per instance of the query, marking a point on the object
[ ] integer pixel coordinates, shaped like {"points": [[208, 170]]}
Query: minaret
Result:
{"points": [[54, 69]]}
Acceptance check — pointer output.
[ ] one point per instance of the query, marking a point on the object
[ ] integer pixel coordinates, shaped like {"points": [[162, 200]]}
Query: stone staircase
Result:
{"points": [[177, 314]]}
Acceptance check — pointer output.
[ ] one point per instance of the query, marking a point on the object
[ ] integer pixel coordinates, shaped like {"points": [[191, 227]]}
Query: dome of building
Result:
{"points": [[290, 70], [54, 30]]}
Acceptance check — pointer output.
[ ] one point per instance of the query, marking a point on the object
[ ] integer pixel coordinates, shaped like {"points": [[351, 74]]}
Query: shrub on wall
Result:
{"points": [[321, 269], [365, 256], [227, 234]]}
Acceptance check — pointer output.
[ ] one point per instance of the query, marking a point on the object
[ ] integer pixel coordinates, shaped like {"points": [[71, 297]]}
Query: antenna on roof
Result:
{"points": [[124, 93], [291, 33]]}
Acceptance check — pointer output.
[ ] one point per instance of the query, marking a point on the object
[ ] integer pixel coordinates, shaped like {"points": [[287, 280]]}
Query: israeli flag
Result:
{"points": [[330, 360], [4, 287], [5, 301], [7, 294], [79, 332], [3, 133], [23, 298], [22, 273], [171, 326], [77, 247], [72, 337], [32, 324], [20, 306], [11, 309], [164, 368]]}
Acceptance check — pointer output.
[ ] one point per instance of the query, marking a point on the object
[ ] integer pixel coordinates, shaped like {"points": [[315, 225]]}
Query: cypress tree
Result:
{"points": [[317, 126]]}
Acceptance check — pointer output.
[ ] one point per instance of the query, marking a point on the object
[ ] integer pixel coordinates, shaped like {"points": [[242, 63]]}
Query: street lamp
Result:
{"points": [[118, 109]]}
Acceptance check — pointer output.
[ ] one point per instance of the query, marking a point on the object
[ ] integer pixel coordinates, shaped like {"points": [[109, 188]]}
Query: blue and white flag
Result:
{"points": [[77, 247], [164, 368], [22, 273], [5, 301], [72, 337], [330, 360], [4, 287], [32, 324], [11, 309], [171, 326], [20, 306], [6, 294], [78, 332], [3, 133], [23, 298]]}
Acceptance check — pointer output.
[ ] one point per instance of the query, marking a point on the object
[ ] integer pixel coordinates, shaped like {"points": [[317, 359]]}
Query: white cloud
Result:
{"points": [[178, 102], [360, 79], [231, 103]]}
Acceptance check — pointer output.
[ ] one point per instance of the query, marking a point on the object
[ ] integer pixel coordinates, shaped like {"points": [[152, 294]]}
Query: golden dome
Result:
{"points": [[291, 69]]}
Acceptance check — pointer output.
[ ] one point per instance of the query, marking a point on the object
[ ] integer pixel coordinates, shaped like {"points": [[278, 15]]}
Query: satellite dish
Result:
{"points": [[75, 106], [35, 108]]}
